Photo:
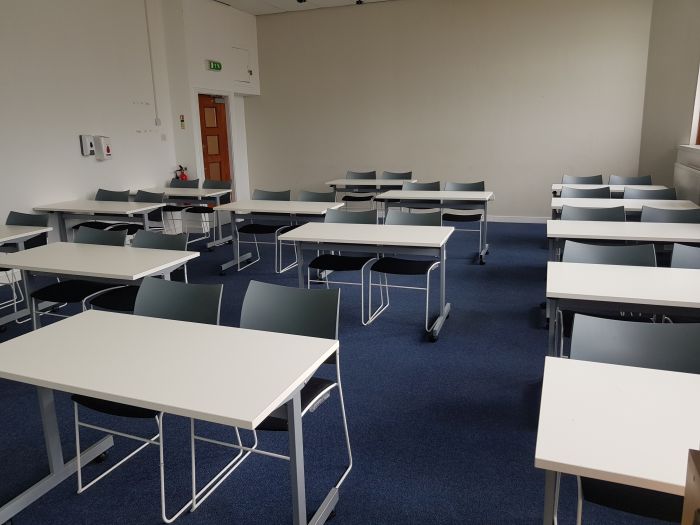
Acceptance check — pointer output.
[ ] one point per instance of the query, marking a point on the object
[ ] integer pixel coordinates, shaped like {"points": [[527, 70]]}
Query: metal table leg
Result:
{"points": [[299, 248], [552, 306], [444, 306], [485, 238], [237, 257], [550, 497], [296, 459], [61, 218]]}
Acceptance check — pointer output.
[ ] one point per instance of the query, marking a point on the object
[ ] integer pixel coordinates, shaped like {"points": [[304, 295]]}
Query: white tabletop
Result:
{"points": [[214, 373], [673, 287], [12, 233], [630, 231], [281, 207], [614, 188], [198, 193], [377, 183], [108, 207], [480, 196], [94, 260], [629, 204], [617, 423], [372, 234]]}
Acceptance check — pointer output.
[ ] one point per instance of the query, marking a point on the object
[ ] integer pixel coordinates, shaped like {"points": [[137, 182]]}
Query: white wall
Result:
{"points": [[74, 67], [513, 92]]}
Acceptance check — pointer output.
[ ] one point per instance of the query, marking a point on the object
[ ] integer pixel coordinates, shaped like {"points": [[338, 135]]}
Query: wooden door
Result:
{"points": [[212, 122]]}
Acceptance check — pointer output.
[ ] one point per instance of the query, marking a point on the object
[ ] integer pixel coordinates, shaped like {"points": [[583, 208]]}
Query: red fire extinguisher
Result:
{"points": [[181, 172]]}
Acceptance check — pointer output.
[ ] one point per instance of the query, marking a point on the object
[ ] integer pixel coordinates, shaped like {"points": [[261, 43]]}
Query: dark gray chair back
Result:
{"points": [[580, 193], [351, 217], [179, 183], [644, 180], [650, 214], [632, 255], [196, 303], [291, 310], [216, 185], [572, 179], [667, 194], [315, 196], [685, 256], [660, 346], [413, 219], [361, 175], [109, 195], [465, 186], [147, 196], [86, 235], [159, 241], [16, 218], [396, 175], [264, 195], [421, 186], [577, 213]]}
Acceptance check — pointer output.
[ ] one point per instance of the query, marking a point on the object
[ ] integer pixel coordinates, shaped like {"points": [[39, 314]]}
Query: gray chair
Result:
{"points": [[154, 216], [572, 179], [359, 193], [658, 346], [397, 175], [577, 213], [419, 204], [685, 256], [104, 195], [315, 196], [644, 180], [179, 183], [389, 265], [198, 303], [581, 193], [460, 215], [290, 310], [123, 298], [76, 290], [627, 255], [421, 186], [336, 262], [666, 194], [218, 185], [650, 214]]}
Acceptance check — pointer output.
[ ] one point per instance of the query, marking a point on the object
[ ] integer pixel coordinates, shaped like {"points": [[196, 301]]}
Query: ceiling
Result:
{"points": [[267, 7]]}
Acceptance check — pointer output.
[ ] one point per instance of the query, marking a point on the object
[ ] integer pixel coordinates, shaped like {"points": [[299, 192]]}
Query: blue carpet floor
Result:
{"points": [[442, 433]]}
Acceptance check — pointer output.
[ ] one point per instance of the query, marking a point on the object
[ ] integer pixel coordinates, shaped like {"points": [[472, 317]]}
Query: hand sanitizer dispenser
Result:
{"points": [[103, 148]]}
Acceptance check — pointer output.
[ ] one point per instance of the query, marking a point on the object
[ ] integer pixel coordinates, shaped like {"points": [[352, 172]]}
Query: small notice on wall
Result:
{"points": [[182, 121]]}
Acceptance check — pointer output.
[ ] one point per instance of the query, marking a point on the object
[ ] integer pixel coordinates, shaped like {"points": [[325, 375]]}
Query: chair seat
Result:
{"points": [[118, 300], [458, 217], [309, 393], [643, 502], [95, 225], [130, 228], [73, 291], [112, 408], [394, 265], [199, 209], [173, 208], [338, 263], [259, 229], [358, 198]]}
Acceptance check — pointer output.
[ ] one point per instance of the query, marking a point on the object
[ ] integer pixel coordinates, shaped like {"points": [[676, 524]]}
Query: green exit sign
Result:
{"points": [[214, 65]]}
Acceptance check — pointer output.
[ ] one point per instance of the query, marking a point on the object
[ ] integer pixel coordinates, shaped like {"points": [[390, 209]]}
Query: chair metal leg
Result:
{"points": [[345, 423], [579, 503]]}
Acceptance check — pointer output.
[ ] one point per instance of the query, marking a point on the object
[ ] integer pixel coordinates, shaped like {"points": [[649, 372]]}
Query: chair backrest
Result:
{"points": [[628, 255], [109, 195], [421, 186], [666, 194], [264, 195], [581, 193], [685, 256], [216, 185], [413, 219], [465, 186], [16, 218], [660, 346], [159, 241], [315, 196], [179, 183], [196, 303], [291, 310], [577, 213], [86, 235], [650, 214], [351, 217], [572, 179], [361, 175], [147, 196], [397, 175], [636, 181]]}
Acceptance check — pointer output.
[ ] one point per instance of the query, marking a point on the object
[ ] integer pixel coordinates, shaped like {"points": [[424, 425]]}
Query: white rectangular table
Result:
{"points": [[376, 238], [615, 423], [370, 184], [219, 374], [615, 189], [459, 200], [654, 232], [88, 209], [630, 205], [586, 287], [283, 209], [119, 264]]}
